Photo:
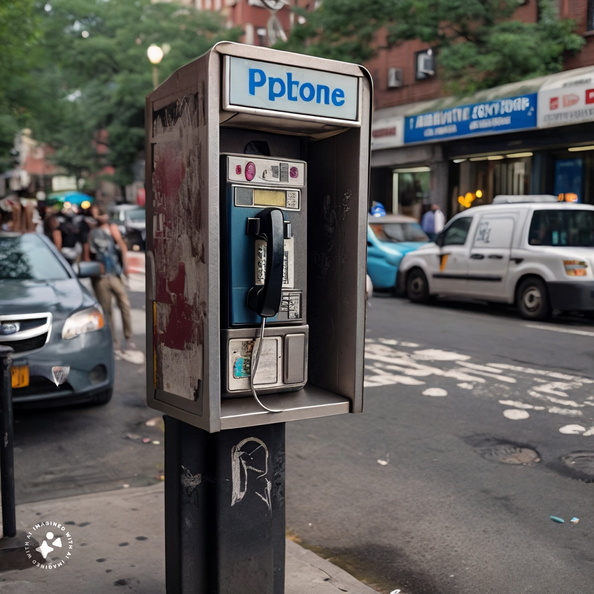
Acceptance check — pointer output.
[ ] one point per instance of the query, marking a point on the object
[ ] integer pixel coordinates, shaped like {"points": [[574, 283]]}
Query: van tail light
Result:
{"points": [[575, 267]]}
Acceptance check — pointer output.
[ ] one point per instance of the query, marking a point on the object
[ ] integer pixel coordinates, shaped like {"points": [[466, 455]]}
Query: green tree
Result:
{"points": [[18, 33], [93, 74], [477, 43]]}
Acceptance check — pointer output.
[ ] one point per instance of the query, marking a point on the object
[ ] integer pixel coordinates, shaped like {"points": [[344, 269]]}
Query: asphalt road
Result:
{"points": [[61, 451], [478, 427]]}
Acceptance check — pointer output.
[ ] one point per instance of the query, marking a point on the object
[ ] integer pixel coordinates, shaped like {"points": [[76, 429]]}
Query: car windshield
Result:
{"points": [[572, 228], [136, 215], [398, 232], [27, 257]]}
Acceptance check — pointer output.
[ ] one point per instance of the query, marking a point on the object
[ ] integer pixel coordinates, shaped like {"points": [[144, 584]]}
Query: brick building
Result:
{"points": [[431, 148], [264, 22], [536, 136]]}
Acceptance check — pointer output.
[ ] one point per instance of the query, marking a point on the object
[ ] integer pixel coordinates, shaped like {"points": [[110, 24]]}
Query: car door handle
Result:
{"points": [[495, 257], [477, 256]]}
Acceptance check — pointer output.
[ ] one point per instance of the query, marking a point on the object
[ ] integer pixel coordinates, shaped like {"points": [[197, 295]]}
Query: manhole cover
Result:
{"points": [[581, 463], [508, 453]]}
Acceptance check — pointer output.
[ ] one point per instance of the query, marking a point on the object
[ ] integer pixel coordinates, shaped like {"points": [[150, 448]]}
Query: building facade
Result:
{"points": [[264, 22], [536, 136], [532, 137]]}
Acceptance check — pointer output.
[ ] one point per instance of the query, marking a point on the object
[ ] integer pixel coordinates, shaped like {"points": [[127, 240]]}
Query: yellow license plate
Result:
{"points": [[20, 376]]}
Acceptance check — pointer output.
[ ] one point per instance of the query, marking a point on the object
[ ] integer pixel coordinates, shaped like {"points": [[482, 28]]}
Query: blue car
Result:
{"points": [[389, 237]]}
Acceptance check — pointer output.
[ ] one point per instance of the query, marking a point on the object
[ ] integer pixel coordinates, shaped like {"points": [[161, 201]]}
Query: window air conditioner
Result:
{"points": [[394, 78], [425, 65]]}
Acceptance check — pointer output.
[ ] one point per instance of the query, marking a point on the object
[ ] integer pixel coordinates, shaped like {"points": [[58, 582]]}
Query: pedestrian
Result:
{"points": [[106, 246], [433, 221], [89, 222], [17, 214], [51, 225], [68, 239]]}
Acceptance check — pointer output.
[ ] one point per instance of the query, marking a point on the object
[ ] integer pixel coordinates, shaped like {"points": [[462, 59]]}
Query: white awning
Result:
{"points": [[567, 98], [563, 99]]}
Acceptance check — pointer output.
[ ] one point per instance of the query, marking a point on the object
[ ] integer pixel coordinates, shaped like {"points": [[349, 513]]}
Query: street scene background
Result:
{"points": [[477, 429]]}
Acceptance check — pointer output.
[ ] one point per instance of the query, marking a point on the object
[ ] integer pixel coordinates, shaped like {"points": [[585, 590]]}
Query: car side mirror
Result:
{"points": [[87, 269]]}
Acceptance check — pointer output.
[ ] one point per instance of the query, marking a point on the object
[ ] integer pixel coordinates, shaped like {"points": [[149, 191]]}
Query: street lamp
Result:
{"points": [[155, 55]]}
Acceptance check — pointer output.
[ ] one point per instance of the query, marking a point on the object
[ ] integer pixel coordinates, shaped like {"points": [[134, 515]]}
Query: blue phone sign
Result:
{"points": [[290, 89]]}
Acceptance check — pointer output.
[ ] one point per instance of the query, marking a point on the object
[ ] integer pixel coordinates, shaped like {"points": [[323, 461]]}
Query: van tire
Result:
{"points": [[532, 299], [417, 287]]}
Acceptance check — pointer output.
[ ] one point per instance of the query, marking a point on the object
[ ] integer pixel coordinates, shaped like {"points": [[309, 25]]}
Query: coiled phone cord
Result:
{"points": [[254, 367]]}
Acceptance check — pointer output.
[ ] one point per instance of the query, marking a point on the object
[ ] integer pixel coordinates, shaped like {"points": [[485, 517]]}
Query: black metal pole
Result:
{"points": [[7, 446], [224, 509]]}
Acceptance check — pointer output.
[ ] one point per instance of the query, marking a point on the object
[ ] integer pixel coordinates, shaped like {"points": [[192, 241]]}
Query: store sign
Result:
{"points": [[568, 100], [257, 85], [387, 133], [490, 117]]}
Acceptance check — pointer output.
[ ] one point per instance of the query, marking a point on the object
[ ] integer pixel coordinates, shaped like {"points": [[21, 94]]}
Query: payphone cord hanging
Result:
{"points": [[254, 368]]}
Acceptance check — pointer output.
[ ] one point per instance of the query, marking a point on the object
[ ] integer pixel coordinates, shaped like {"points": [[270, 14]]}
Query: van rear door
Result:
{"points": [[489, 256]]}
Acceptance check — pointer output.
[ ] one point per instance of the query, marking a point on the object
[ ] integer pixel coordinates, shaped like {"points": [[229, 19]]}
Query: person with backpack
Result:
{"points": [[67, 239], [106, 246]]}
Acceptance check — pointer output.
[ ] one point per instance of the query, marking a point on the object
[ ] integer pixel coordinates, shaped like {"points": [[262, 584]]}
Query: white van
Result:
{"points": [[537, 254]]}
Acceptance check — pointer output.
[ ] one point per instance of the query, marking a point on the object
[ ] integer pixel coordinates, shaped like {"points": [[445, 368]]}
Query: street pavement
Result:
{"points": [[114, 542]]}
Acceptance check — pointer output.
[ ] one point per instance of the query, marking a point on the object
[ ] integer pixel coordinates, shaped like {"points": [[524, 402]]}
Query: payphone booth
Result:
{"points": [[257, 198], [257, 194]]}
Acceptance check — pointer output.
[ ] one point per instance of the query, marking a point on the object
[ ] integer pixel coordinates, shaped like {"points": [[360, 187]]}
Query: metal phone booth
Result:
{"points": [[257, 197], [301, 126]]}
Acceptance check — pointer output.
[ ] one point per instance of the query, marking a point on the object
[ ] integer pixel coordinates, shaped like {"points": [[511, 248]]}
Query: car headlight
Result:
{"points": [[87, 320], [575, 267]]}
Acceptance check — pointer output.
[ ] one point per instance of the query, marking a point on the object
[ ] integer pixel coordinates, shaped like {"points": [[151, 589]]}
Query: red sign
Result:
{"points": [[554, 103], [589, 96], [569, 100]]}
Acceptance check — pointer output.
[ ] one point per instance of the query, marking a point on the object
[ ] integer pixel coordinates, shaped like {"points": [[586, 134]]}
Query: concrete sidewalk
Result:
{"points": [[116, 541]]}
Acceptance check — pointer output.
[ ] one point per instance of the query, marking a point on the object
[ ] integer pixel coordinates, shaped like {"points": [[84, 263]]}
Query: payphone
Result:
{"points": [[257, 197], [264, 240]]}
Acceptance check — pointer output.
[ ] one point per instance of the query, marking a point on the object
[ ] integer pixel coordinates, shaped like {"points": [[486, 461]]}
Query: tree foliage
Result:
{"points": [[18, 32], [477, 43], [91, 73]]}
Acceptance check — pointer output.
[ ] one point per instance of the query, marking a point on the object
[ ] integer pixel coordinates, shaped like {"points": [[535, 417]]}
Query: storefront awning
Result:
{"points": [[567, 98], [558, 99]]}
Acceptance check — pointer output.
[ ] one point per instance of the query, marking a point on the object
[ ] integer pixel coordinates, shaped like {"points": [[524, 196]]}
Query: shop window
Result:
{"points": [[411, 190], [480, 179], [569, 178]]}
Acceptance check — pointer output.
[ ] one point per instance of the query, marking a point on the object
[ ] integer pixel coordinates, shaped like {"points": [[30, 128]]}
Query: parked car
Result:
{"points": [[63, 349], [538, 255], [131, 221], [389, 237]]}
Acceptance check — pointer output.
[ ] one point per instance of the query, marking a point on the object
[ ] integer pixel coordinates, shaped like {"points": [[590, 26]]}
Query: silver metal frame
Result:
{"points": [[338, 166]]}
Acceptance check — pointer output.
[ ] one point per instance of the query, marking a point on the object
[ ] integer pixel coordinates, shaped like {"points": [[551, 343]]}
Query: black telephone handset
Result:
{"points": [[270, 226]]}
